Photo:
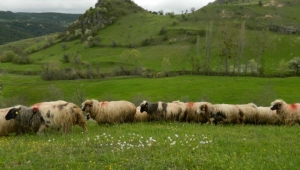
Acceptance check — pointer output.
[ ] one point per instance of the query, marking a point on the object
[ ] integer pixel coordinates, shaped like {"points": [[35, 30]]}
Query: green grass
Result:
{"points": [[155, 146], [134, 28], [231, 90], [172, 145]]}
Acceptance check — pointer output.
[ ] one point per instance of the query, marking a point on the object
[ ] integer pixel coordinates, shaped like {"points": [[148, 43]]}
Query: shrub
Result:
{"points": [[8, 56], [22, 60], [294, 64], [162, 30], [66, 58], [175, 22], [114, 43]]}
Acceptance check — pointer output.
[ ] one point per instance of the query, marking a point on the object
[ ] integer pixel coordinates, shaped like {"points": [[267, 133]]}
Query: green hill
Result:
{"points": [[231, 39], [17, 26]]}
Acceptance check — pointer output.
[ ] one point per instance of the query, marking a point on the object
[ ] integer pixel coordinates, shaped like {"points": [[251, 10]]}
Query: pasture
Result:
{"points": [[157, 145], [160, 145]]}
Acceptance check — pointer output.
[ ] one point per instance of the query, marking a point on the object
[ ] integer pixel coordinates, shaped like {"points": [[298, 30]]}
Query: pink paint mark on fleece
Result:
{"points": [[190, 104], [35, 107], [293, 106]]}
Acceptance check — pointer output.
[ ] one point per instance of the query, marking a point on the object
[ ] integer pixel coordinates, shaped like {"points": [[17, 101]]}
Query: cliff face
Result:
{"points": [[104, 13]]}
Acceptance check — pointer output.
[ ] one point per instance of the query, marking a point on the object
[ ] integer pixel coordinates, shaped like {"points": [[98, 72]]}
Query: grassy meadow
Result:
{"points": [[159, 145]]}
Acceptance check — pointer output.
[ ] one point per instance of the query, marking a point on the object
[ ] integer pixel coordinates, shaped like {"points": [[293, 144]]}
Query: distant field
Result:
{"points": [[233, 90], [155, 146]]}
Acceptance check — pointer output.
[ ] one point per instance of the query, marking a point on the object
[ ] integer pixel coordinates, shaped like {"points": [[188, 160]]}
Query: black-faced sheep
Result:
{"points": [[199, 112], [289, 113], [141, 116], [227, 114], [26, 118], [250, 111], [60, 114], [266, 116], [110, 112], [8, 126], [175, 111]]}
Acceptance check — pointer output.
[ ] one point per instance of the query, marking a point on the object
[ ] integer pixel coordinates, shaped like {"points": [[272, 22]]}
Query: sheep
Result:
{"points": [[8, 126], [266, 116], [60, 114], [250, 111], [110, 112], [26, 118], [199, 112], [289, 113], [175, 111], [227, 114], [141, 116]]}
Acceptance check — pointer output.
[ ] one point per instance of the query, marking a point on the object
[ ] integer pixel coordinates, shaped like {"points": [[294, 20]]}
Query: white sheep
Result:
{"points": [[8, 126], [266, 116], [175, 111], [199, 112], [110, 112], [60, 114], [227, 114], [289, 113], [250, 111]]}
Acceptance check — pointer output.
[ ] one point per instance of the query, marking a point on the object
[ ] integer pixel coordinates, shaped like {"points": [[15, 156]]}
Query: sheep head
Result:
{"points": [[12, 113], [87, 106], [205, 110], [144, 106], [277, 104]]}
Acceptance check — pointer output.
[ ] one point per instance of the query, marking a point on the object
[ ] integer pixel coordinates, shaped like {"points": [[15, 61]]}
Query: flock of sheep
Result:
{"points": [[63, 115]]}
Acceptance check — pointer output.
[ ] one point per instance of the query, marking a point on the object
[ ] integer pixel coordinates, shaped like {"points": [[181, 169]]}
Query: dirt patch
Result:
{"points": [[225, 14], [273, 3]]}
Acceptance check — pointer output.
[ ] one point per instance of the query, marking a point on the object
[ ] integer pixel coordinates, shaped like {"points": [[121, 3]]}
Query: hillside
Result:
{"points": [[17, 26], [119, 38]]}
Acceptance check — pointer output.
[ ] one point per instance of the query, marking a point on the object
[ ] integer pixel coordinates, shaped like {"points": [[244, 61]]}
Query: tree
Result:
{"points": [[208, 43], [241, 46], [8, 56], [132, 57], [294, 64], [228, 46], [161, 12], [262, 42], [193, 10]]}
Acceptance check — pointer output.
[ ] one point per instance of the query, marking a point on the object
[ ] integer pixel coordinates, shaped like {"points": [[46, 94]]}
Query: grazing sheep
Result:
{"points": [[227, 114], [250, 111], [110, 112], [199, 112], [175, 111], [8, 126], [141, 116], [60, 114], [26, 118], [266, 116], [289, 113]]}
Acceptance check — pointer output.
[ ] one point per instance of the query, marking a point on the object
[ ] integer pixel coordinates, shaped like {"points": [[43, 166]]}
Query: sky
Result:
{"points": [[80, 6]]}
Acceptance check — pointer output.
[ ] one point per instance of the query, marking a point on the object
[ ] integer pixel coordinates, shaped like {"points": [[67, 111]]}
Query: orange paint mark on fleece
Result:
{"points": [[103, 103], [293, 106], [190, 104]]}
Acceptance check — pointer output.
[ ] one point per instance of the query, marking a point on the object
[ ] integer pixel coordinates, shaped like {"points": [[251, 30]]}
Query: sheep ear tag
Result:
{"points": [[17, 112]]}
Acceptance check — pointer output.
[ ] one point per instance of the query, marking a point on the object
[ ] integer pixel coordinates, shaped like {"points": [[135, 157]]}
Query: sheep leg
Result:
{"points": [[42, 128]]}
